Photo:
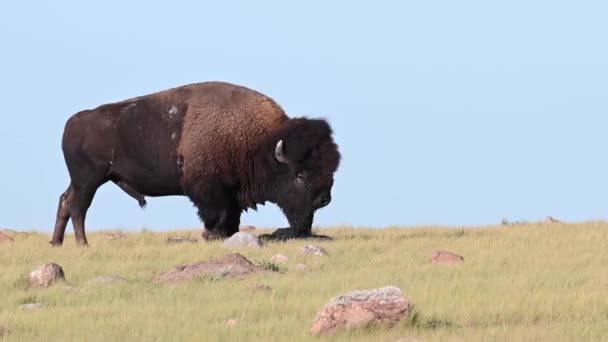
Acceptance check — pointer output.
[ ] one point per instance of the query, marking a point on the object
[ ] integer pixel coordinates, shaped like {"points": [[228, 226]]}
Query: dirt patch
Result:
{"points": [[233, 265], [446, 258], [4, 237]]}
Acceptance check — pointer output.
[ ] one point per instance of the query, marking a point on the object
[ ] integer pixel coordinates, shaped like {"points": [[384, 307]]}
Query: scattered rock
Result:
{"points": [[279, 258], [381, 307], [46, 275], [32, 306], [180, 239], [106, 280], [247, 229], [114, 235], [243, 239], [446, 258], [301, 267], [4, 237], [550, 219], [233, 322], [313, 250], [232, 265]]}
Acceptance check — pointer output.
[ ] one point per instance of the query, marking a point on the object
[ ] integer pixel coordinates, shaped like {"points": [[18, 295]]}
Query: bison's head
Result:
{"points": [[305, 159]]}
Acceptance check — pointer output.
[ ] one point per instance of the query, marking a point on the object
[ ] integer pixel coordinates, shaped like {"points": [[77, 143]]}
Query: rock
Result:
{"points": [[32, 306], [4, 237], [243, 239], [247, 229], [313, 250], [46, 275], [279, 258], [106, 280], [114, 235], [180, 239], [446, 258], [550, 219], [381, 307], [232, 265], [301, 267]]}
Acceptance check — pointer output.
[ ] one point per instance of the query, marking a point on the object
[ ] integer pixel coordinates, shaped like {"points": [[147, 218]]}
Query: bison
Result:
{"points": [[226, 147]]}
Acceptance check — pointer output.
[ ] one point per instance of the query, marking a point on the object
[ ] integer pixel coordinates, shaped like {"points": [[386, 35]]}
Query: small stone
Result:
{"points": [[46, 275], [32, 306], [301, 267], [243, 239], [180, 239], [279, 258], [261, 288], [446, 258], [107, 280], [114, 235], [247, 229], [313, 250], [381, 307], [70, 289], [233, 322]]}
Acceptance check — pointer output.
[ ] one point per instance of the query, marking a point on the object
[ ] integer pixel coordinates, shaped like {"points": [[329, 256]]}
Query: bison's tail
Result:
{"points": [[142, 203]]}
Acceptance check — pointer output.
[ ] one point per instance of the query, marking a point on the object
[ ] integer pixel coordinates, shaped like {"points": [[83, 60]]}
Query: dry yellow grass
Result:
{"points": [[535, 282]]}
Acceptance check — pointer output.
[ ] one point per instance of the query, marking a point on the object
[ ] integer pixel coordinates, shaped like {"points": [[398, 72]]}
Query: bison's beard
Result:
{"points": [[300, 222], [300, 228]]}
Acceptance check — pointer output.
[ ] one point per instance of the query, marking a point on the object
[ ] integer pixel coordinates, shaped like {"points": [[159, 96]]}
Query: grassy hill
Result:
{"points": [[533, 282]]}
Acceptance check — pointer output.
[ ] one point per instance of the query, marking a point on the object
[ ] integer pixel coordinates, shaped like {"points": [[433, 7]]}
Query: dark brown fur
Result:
{"points": [[213, 142]]}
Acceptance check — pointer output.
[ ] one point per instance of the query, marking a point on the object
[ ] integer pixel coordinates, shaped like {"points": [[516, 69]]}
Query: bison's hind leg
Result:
{"points": [[63, 216]]}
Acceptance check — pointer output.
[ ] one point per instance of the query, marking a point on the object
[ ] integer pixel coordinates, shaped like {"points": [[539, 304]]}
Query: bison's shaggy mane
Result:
{"points": [[308, 142]]}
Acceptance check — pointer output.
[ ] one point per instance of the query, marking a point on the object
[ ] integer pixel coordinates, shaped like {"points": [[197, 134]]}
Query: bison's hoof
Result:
{"points": [[211, 236]]}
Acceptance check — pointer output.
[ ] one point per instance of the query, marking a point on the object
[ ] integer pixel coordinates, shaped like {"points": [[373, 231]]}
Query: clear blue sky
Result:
{"points": [[447, 112]]}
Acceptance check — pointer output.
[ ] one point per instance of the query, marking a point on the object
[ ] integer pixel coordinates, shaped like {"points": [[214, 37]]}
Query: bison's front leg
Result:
{"points": [[220, 223]]}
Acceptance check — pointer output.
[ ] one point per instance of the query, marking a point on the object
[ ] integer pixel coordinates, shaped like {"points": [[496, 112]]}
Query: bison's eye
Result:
{"points": [[301, 178]]}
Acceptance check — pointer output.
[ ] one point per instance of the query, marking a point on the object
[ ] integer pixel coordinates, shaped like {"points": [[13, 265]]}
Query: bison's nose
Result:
{"points": [[323, 200]]}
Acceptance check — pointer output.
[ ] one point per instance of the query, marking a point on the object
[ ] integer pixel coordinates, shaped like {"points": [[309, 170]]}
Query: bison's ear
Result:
{"points": [[300, 138]]}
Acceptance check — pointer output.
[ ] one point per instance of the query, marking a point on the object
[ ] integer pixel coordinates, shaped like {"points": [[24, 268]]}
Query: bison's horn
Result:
{"points": [[279, 154]]}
